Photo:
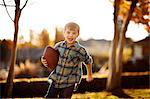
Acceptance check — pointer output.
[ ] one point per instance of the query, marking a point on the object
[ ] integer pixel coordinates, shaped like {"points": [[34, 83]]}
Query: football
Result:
{"points": [[52, 56]]}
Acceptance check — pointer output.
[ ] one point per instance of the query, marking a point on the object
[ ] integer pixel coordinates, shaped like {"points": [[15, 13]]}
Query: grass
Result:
{"points": [[134, 93]]}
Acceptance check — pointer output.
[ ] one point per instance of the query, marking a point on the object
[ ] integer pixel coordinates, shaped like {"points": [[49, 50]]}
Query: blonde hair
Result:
{"points": [[72, 25]]}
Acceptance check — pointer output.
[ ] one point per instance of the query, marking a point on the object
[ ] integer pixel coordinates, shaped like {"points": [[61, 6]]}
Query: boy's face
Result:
{"points": [[71, 35]]}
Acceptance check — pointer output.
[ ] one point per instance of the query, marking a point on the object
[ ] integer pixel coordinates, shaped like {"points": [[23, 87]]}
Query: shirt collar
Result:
{"points": [[74, 45]]}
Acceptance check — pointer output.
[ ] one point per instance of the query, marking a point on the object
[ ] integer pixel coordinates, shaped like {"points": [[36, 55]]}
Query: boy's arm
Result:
{"points": [[89, 72]]}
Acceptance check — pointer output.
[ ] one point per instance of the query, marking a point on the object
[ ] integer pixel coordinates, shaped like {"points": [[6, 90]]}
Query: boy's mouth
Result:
{"points": [[70, 39]]}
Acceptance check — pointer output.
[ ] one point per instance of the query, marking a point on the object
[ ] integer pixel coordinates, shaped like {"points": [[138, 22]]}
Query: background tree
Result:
{"points": [[124, 11], [18, 10], [59, 34], [31, 36], [112, 65], [5, 53], [141, 14], [121, 43], [44, 38]]}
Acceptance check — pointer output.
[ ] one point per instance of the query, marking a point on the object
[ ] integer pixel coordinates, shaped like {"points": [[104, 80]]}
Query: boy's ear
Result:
{"points": [[78, 32]]}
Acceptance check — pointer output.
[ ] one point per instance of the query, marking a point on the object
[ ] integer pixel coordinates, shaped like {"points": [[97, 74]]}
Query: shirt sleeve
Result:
{"points": [[57, 45], [87, 59]]}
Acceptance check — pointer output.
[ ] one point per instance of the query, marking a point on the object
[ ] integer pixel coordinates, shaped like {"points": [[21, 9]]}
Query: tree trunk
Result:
{"points": [[9, 83], [121, 44], [112, 66], [118, 72], [119, 60]]}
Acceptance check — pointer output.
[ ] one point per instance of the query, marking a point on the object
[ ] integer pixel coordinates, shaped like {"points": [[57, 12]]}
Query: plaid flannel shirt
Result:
{"points": [[69, 69]]}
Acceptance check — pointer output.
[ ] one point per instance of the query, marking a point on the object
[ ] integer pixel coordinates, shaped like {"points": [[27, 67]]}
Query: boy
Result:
{"points": [[67, 74]]}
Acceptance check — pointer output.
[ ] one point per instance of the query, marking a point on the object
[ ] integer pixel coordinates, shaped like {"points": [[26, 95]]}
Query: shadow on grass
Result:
{"points": [[120, 93]]}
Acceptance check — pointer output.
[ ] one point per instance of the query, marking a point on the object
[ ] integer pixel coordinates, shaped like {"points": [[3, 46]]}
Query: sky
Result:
{"points": [[95, 18]]}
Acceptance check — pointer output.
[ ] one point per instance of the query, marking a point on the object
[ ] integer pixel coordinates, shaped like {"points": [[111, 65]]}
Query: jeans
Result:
{"points": [[59, 92]]}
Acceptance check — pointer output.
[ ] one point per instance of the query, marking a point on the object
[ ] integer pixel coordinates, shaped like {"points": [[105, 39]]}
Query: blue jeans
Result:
{"points": [[59, 92]]}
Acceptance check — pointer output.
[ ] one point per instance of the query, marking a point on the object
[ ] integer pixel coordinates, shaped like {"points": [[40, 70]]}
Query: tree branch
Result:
{"points": [[8, 5], [7, 10], [24, 4]]}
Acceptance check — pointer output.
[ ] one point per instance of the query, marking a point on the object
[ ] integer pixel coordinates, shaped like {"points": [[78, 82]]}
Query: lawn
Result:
{"points": [[134, 93]]}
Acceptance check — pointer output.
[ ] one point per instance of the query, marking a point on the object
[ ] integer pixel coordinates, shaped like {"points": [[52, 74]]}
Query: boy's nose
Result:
{"points": [[70, 34]]}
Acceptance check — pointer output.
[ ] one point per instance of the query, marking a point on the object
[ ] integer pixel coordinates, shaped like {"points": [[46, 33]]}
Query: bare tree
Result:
{"points": [[18, 10]]}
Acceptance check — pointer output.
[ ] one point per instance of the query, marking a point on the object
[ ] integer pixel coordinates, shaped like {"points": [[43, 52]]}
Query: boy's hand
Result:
{"points": [[89, 78], [44, 62]]}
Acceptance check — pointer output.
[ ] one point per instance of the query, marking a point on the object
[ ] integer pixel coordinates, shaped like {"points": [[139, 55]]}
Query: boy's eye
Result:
{"points": [[68, 32], [73, 33]]}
